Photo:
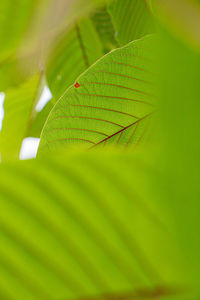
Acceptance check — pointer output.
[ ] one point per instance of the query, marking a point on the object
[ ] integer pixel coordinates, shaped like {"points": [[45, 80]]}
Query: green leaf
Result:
{"points": [[111, 102], [107, 225], [18, 106], [73, 54], [39, 120], [131, 18], [103, 24], [179, 69], [27, 26], [73, 226], [11, 74], [182, 17], [14, 20]]}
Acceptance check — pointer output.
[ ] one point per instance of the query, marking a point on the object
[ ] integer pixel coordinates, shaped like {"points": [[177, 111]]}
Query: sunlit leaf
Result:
{"points": [[110, 103], [73, 54]]}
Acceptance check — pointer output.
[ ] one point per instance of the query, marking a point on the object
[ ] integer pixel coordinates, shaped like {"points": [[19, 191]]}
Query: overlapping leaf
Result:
{"points": [[28, 31], [74, 227], [179, 69], [110, 103], [75, 52], [131, 18], [103, 23], [100, 226], [18, 108], [15, 18], [182, 17], [39, 119]]}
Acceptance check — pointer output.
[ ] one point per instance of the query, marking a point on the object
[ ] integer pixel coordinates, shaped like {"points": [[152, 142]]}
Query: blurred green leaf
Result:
{"points": [[39, 120], [74, 53], [11, 74], [53, 19], [182, 18], [131, 19], [103, 23], [14, 19], [29, 30], [179, 69], [107, 225], [110, 103], [73, 226], [18, 106]]}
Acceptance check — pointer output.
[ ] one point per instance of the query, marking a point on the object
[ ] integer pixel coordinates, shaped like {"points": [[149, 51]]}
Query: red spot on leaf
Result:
{"points": [[77, 85]]}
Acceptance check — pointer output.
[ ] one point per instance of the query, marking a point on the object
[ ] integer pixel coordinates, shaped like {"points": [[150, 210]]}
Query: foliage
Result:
{"points": [[110, 206], [117, 86]]}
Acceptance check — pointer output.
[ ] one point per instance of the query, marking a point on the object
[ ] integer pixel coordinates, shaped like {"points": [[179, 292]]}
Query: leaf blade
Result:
{"points": [[131, 18], [114, 93]]}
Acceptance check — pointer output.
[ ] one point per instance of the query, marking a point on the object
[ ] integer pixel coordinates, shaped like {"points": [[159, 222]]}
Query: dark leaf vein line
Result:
{"points": [[132, 135], [89, 118], [81, 129], [103, 108], [134, 55], [70, 139], [117, 85], [115, 97], [143, 133], [119, 137], [125, 128], [122, 75], [126, 65]]}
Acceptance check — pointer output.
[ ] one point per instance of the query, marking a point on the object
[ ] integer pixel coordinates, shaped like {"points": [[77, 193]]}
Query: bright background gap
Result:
{"points": [[44, 99], [2, 98], [30, 145]]}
